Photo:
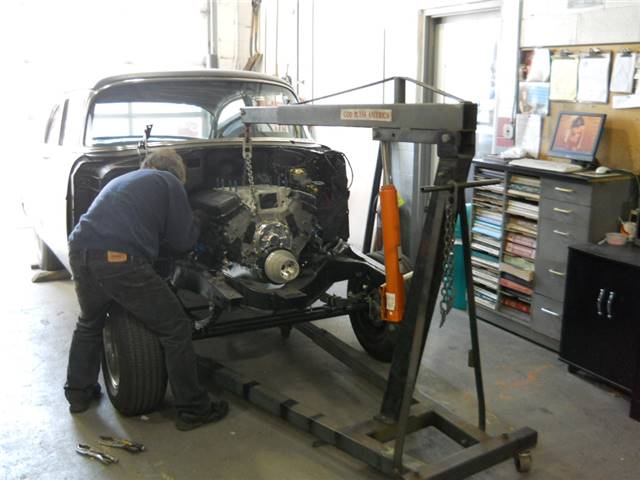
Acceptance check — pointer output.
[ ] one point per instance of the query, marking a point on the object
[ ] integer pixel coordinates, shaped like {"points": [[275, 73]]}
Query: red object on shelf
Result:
{"points": [[516, 286], [516, 304]]}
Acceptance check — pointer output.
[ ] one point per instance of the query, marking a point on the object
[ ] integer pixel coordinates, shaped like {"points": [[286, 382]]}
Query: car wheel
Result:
{"points": [[132, 364], [377, 337], [46, 258]]}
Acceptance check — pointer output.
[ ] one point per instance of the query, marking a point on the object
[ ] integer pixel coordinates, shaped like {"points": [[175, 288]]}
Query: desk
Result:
{"points": [[568, 209], [601, 318]]}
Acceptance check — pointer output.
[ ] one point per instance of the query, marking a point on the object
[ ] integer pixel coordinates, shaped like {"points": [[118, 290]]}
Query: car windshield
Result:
{"points": [[183, 110]]}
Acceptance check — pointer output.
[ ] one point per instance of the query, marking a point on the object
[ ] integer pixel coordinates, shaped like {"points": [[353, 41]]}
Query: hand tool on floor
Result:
{"points": [[123, 443], [97, 454]]}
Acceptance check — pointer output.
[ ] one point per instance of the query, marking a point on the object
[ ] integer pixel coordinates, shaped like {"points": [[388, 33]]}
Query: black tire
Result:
{"points": [[133, 365], [46, 258], [377, 337]]}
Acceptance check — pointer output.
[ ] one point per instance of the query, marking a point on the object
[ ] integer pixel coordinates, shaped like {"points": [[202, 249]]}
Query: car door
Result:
{"points": [[46, 201]]}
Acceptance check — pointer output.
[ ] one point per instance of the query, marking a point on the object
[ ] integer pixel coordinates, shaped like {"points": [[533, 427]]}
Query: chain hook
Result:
{"points": [[451, 214], [247, 155]]}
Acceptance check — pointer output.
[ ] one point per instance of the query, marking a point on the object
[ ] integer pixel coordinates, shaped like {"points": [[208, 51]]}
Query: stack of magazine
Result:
{"points": [[486, 237], [519, 243]]}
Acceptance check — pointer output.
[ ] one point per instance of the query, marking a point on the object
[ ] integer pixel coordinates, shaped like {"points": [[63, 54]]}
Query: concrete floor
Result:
{"points": [[584, 429]]}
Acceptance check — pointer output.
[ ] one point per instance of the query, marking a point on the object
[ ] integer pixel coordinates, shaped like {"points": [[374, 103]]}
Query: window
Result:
{"points": [[171, 121], [52, 134], [470, 72], [183, 110], [228, 123]]}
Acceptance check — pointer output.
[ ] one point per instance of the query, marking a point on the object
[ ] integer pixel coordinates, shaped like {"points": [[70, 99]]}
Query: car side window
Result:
{"points": [[55, 128], [229, 124], [52, 134], [63, 122]]}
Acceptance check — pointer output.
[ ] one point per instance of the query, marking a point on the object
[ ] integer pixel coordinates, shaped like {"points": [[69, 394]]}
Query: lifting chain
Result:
{"points": [[247, 155], [446, 292]]}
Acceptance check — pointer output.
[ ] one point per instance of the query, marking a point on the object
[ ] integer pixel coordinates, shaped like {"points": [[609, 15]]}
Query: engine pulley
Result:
{"points": [[281, 266]]}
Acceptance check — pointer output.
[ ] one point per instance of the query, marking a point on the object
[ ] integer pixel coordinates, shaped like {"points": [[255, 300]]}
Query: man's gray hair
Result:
{"points": [[166, 159]]}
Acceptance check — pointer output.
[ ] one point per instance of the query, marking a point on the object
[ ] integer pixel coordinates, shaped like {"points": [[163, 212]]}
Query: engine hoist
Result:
{"points": [[451, 128]]}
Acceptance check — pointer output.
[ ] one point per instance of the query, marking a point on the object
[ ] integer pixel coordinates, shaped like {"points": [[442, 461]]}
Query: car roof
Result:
{"points": [[186, 75]]}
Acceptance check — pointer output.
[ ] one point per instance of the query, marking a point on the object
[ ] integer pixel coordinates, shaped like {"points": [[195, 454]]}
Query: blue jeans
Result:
{"points": [[136, 286]]}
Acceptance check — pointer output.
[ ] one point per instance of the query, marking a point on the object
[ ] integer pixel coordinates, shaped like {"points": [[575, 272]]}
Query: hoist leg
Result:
{"points": [[474, 358], [421, 302]]}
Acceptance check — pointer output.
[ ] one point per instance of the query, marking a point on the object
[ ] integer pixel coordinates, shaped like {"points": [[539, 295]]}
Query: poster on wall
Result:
{"points": [[533, 97], [504, 132], [593, 78], [540, 67], [624, 69], [564, 79]]}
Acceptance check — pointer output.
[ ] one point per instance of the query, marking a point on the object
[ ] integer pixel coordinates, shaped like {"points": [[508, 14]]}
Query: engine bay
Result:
{"points": [[275, 245], [269, 231]]}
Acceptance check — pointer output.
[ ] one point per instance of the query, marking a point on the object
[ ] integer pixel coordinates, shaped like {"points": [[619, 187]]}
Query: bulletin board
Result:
{"points": [[620, 144]]}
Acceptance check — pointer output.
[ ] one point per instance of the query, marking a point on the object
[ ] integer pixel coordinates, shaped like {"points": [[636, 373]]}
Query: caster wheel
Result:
{"points": [[285, 331], [572, 369], [522, 461]]}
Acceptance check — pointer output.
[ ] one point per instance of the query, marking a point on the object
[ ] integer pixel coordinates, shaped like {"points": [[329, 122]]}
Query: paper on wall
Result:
{"points": [[593, 78], [528, 129], [533, 97], [540, 66], [624, 67], [564, 79], [625, 101]]}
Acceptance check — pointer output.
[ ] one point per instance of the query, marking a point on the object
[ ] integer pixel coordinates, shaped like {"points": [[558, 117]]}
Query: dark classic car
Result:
{"points": [[276, 239]]}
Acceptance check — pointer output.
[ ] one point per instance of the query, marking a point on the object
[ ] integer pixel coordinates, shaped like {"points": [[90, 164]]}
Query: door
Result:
{"points": [[465, 49], [46, 197], [600, 329]]}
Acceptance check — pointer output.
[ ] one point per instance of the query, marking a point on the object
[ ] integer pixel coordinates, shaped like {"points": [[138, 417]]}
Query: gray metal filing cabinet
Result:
{"points": [[572, 209]]}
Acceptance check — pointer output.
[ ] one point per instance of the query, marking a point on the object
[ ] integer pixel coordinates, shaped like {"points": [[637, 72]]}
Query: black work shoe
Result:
{"points": [[80, 400], [188, 421]]}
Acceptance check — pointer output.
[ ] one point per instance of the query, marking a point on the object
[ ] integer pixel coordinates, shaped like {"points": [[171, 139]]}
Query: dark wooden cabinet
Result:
{"points": [[601, 317]]}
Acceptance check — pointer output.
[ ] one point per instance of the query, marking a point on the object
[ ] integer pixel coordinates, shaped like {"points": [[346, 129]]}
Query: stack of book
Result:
{"points": [[486, 273], [520, 225], [524, 187], [522, 208], [519, 244], [486, 238]]}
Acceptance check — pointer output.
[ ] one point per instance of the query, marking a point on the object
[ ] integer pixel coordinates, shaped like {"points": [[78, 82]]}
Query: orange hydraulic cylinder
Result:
{"points": [[392, 293]]}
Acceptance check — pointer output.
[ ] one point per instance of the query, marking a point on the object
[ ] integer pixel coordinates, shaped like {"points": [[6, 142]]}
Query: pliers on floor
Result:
{"points": [[98, 455], [128, 445]]}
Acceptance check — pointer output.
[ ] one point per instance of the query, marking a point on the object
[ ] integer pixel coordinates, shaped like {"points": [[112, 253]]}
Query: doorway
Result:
{"points": [[462, 51]]}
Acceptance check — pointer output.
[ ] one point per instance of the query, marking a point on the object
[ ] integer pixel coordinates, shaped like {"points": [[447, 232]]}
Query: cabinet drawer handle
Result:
{"points": [[560, 232], [601, 295], [564, 190], [612, 294], [549, 312], [555, 272], [562, 210]]}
